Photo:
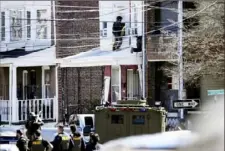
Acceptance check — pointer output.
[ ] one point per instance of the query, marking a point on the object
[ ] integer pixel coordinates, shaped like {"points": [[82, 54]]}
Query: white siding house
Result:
{"points": [[122, 67], [28, 72], [25, 24]]}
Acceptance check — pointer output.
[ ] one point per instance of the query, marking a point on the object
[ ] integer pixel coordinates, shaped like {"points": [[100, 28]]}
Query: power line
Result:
{"points": [[153, 30], [95, 18]]}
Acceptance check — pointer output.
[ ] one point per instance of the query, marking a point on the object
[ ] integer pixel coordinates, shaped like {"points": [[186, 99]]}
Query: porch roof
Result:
{"points": [[97, 57], [39, 58]]}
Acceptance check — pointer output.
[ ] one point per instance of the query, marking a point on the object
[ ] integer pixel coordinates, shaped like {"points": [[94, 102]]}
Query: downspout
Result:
{"points": [[143, 51], [53, 22], [130, 30], [56, 93]]}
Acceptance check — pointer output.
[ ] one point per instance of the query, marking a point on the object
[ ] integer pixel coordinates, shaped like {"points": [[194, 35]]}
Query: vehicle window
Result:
{"points": [[138, 119], [77, 122], [117, 119], [7, 139], [89, 121]]}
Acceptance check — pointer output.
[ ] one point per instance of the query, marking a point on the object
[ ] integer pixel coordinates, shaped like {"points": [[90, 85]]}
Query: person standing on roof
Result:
{"points": [[62, 142], [118, 32], [22, 143]]}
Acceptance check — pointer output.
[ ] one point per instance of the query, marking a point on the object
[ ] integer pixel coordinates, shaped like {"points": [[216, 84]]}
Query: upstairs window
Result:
{"points": [[104, 24], [104, 29], [3, 26], [41, 24], [15, 25], [28, 25]]}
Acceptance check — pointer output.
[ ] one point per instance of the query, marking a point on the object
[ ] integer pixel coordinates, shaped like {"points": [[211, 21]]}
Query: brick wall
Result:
{"points": [[77, 85]]}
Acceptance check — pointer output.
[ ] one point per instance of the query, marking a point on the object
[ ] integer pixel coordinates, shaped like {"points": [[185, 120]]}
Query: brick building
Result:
{"points": [[73, 27]]}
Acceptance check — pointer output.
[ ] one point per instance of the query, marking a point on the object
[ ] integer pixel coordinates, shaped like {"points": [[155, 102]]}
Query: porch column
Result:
{"points": [[43, 82], [56, 111], [120, 76], [13, 93]]}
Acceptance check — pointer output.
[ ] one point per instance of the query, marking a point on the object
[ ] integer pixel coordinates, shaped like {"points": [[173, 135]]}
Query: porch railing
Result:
{"points": [[4, 110], [48, 106]]}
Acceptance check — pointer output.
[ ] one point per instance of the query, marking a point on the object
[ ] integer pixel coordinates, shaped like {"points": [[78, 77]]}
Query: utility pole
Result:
{"points": [[143, 50], [180, 52]]}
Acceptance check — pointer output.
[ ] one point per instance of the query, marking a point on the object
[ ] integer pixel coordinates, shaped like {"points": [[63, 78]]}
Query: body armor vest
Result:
{"points": [[37, 145], [65, 141], [77, 143]]}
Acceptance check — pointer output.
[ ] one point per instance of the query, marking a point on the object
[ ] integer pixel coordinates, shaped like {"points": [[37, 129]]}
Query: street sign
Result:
{"points": [[216, 92], [186, 104]]}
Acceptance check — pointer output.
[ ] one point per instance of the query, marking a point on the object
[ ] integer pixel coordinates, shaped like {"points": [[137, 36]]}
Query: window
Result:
{"points": [[104, 29], [41, 24], [133, 85], [15, 25], [25, 86], [134, 29], [115, 93], [117, 119], [138, 119], [104, 25], [33, 86], [89, 121], [169, 83], [47, 83], [3, 26], [28, 25]]}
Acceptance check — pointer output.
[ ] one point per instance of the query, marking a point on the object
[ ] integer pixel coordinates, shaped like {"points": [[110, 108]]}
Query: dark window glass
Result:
{"points": [[2, 26], [89, 121], [138, 119], [117, 119], [104, 25]]}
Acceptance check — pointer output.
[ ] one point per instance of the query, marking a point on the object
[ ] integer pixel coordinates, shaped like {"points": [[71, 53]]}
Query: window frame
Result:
{"points": [[28, 21], [116, 120], [16, 23], [41, 23], [3, 34]]}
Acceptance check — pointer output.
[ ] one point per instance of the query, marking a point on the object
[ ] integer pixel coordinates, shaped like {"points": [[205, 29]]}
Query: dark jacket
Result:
{"points": [[62, 142], [38, 145], [76, 138], [117, 28], [22, 144], [92, 147]]}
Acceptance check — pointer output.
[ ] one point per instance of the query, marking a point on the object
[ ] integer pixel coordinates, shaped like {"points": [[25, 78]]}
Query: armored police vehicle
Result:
{"points": [[128, 118]]}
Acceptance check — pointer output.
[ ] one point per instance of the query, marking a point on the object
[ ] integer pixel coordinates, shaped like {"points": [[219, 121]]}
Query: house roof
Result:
{"points": [[36, 58], [15, 53], [97, 57]]}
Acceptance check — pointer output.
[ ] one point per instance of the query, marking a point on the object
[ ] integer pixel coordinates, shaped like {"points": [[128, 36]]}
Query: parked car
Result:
{"points": [[8, 141]]}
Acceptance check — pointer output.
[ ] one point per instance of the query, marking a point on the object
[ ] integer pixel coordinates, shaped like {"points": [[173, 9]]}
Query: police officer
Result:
{"points": [[93, 143], [62, 142], [118, 32], [22, 142], [39, 144], [76, 138]]}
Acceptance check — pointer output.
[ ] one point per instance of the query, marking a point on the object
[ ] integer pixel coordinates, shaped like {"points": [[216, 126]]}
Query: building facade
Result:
{"points": [[77, 32], [27, 60], [99, 74]]}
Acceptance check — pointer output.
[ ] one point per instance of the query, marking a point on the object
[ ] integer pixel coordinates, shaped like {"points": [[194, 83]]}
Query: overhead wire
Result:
{"points": [[149, 31]]}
